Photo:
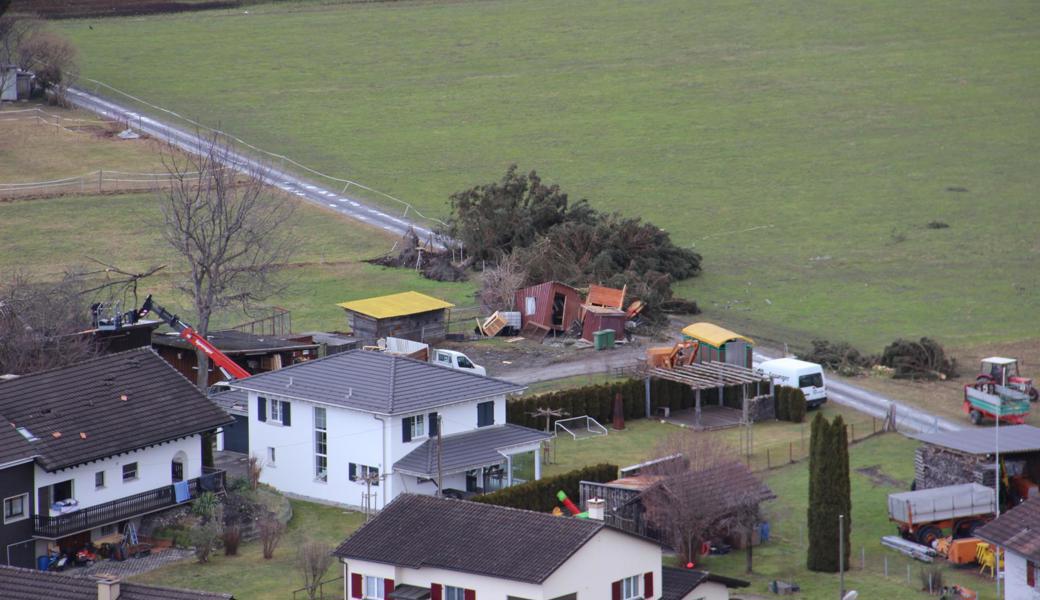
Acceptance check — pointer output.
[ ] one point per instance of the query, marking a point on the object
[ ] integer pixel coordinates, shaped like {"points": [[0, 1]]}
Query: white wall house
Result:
{"points": [[1017, 532], [359, 428], [461, 550], [80, 440]]}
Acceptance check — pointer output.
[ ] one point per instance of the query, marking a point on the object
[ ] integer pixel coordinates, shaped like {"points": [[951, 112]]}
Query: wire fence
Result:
{"points": [[102, 181], [764, 456]]}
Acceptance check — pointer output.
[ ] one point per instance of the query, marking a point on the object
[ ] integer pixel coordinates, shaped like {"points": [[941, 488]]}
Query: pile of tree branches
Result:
{"points": [[556, 239], [839, 357], [923, 359]]}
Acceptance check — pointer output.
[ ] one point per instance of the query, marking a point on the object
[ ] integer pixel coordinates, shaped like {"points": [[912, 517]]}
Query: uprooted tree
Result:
{"points": [[233, 236], [702, 491], [923, 359], [41, 324], [554, 238]]}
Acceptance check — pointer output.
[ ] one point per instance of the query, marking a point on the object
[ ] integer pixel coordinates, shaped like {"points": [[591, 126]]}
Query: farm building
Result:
{"points": [[551, 305], [254, 353], [598, 318], [721, 345], [967, 456], [408, 315]]}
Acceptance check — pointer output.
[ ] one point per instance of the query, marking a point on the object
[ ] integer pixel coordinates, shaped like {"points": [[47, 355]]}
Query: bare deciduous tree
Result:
{"points": [[498, 284], [254, 468], [313, 559], [13, 33], [233, 236], [42, 324], [271, 530], [703, 492], [54, 60]]}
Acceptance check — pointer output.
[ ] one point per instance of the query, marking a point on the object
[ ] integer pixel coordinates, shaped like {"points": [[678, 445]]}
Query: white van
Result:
{"points": [[800, 374]]}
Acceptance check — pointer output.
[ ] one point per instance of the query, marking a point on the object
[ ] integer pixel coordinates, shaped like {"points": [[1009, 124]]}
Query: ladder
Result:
{"points": [[131, 533]]}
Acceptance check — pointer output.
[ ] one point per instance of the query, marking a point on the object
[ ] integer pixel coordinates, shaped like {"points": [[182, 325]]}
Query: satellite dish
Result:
{"points": [[852, 595]]}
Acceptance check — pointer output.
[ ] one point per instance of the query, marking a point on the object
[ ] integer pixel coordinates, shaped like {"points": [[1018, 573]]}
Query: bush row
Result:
{"points": [[541, 495], [790, 404]]}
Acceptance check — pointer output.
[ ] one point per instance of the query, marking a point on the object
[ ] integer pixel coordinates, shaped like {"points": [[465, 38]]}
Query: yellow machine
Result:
{"points": [[664, 357]]}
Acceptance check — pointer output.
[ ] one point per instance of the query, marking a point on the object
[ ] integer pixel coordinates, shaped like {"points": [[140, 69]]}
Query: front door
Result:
{"points": [[177, 471]]}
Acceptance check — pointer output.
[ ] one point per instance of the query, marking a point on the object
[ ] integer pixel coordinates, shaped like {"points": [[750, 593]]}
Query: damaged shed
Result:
{"points": [[551, 305]]}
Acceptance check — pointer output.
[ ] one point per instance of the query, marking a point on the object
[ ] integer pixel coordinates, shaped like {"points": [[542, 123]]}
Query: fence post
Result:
{"points": [[769, 464], [908, 573], [790, 452], [873, 424], [100, 177], [852, 438], [863, 558], [886, 565]]}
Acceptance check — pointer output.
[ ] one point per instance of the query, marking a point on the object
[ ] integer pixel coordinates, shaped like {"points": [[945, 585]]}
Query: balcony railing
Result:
{"points": [[125, 508]]}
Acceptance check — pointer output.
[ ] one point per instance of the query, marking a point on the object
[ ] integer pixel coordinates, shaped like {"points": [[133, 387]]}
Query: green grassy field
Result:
{"points": [[248, 575], [41, 238], [802, 148]]}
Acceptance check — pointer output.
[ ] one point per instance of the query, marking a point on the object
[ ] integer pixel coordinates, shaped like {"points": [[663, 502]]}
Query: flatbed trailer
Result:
{"points": [[922, 515], [992, 401]]}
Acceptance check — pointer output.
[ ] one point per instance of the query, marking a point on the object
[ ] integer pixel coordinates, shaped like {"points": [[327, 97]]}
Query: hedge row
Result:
{"points": [[597, 401], [790, 404], [541, 495]]}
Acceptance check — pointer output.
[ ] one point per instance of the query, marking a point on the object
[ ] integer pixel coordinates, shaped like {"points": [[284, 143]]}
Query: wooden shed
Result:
{"points": [[718, 344], [409, 315], [552, 305], [598, 318]]}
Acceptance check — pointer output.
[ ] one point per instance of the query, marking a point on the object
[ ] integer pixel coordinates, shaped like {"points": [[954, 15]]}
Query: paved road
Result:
{"points": [[189, 141]]}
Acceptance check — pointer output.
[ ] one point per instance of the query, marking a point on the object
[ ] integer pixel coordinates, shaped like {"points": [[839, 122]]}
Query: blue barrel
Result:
{"points": [[42, 562], [763, 531]]}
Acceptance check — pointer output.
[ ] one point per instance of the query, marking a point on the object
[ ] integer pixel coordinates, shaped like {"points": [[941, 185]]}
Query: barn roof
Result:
{"points": [[1013, 438], [396, 305]]}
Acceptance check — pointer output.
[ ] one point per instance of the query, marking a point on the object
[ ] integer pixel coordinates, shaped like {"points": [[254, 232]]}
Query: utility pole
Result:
{"points": [[440, 463], [841, 555]]}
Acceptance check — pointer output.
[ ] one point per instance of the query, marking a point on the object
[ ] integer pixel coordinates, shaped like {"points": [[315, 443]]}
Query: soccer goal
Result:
{"points": [[580, 427]]}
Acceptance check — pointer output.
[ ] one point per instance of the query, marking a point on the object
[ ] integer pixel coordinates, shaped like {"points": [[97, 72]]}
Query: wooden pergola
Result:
{"points": [[706, 376]]}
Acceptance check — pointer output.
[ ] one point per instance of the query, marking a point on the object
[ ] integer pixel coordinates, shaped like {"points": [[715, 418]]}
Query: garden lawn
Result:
{"points": [[802, 148], [784, 556], [248, 575], [47, 237]]}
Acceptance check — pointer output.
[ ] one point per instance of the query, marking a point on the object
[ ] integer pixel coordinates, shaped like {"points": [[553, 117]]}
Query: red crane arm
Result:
{"points": [[219, 358]]}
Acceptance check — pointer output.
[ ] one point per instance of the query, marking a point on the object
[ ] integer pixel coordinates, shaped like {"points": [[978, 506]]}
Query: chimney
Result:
{"points": [[597, 508], [107, 587]]}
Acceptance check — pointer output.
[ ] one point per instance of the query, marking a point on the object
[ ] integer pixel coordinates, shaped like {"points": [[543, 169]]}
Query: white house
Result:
{"points": [[1017, 532], [359, 428], [78, 441], [426, 548]]}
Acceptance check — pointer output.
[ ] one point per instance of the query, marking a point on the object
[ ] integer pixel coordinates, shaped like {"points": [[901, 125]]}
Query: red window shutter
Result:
{"points": [[470, 594], [648, 585], [435, 591], [1030, 573], [615, 591], [388, 587], [356, 585]]}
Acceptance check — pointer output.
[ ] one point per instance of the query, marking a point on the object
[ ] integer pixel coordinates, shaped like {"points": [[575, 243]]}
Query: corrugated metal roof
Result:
{"points": [[469, 450], [30, 584], [396, 305], [710, 333], [376, 382], [982, 440]]}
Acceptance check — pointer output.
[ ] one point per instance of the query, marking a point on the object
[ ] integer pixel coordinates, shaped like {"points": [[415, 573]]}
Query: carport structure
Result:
{"points": [[717, 376]]}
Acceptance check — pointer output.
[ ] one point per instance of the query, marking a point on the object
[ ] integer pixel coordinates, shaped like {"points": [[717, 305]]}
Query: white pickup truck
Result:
{"points": [[420, 351]]}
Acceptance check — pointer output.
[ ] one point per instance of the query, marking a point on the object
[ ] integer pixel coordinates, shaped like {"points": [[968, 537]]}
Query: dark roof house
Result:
{"points": [[677, 584], [460, 452], [254, 353], [1017, 530], [105, 406], [29, 584]]}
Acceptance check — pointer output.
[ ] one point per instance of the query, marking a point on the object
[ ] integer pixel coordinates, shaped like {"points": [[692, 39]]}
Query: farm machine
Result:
{"points": [[999, 392]]}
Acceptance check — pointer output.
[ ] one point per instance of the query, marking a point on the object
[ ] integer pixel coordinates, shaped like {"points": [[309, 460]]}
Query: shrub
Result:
{"points": [[271, 530], [796, 406], [204, 538], [231, 536], [540, 495], [783, 403], [205, 506]]}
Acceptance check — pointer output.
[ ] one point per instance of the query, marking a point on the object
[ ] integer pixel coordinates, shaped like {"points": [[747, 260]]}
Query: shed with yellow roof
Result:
{"points": [[720, 344], [408, 315]]}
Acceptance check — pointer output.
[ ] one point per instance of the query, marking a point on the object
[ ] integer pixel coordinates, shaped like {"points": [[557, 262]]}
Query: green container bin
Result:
{"points": [[603, 339]]}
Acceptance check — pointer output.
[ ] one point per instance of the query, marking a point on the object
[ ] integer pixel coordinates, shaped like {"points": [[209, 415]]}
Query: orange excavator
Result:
{"points": [[665, 357]]}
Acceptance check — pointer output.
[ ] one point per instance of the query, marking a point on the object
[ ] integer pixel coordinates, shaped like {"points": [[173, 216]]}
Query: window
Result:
{"points": [[813, 380], [363, 472], [529, 305], [99, 480], [414, 427], [270, 456], [454, 593], [130, 471], [321, 448], [486, 413], [630, 588], [464, 363], [374, 587], [16, 508], [279, 412], [444, 357]]}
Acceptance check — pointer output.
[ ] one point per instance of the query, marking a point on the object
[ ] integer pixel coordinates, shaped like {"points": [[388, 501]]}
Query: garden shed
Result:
{"points": [[409, 315], [968, 456], [551, 305], [720, 344]]}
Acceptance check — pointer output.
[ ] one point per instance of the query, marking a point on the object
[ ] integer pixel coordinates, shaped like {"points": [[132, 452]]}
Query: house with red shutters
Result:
{"points": [[428, 548]]}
